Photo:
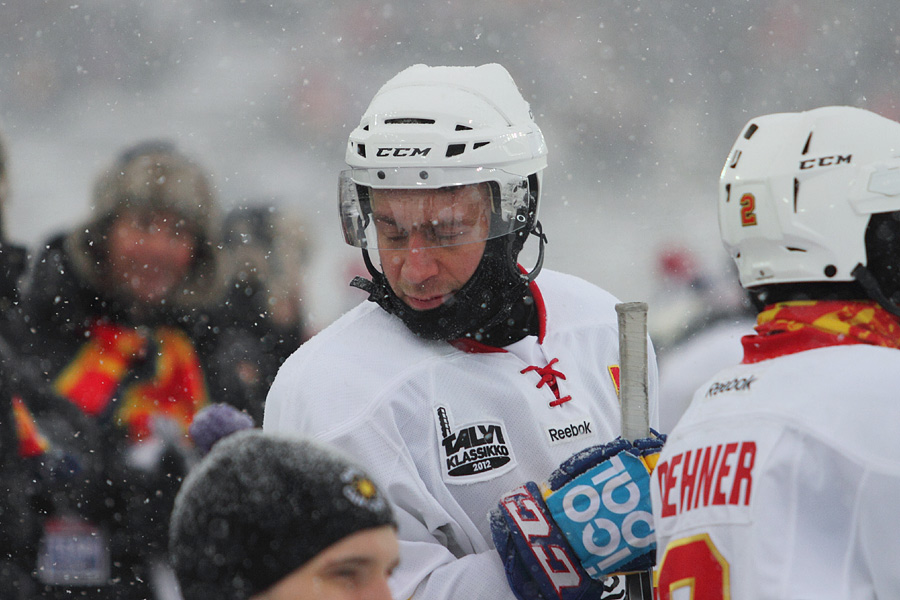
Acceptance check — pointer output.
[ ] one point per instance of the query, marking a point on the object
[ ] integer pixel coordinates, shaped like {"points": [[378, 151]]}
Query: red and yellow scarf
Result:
{"points": [[177, 389], [789, 327], [31, 441]]}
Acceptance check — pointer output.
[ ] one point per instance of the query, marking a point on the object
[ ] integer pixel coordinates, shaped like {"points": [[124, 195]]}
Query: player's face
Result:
{"points": [[431, 241], [354, 568], [150, 253]]}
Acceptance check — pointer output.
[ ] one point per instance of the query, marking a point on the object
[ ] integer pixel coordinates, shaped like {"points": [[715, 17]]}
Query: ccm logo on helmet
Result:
{"points": [[403, 151], [825, 161]]}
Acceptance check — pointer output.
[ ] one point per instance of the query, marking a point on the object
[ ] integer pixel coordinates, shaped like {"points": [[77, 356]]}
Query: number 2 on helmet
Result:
{"points": [[748, 208]]}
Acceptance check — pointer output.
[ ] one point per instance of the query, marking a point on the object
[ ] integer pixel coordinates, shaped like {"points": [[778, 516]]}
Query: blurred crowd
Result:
{"points": [[114, 335], [615, 73]]}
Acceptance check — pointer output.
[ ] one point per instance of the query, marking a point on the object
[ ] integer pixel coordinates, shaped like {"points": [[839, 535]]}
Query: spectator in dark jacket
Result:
{"points": [[44, 444], [48, 462], [265, 254], [119, 315]]}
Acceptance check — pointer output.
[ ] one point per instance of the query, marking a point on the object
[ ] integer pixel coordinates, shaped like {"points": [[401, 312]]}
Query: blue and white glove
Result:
{"points": [[593, 519]]}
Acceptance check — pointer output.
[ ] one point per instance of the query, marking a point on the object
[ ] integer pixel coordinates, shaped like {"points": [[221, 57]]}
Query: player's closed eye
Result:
{"points": [[451, 231], [441, 235]]}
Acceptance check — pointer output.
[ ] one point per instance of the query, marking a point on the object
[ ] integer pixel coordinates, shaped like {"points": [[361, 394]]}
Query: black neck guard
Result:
{"points": [[494, 307]]}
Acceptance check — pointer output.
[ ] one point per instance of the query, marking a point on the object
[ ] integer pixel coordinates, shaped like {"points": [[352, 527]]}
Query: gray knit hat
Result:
{"points": [[260, 506]]}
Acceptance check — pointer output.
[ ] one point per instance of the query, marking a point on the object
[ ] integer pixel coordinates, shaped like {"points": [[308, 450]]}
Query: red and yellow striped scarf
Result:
{"points": [[31, 441], [789, 327], [177, 389]]}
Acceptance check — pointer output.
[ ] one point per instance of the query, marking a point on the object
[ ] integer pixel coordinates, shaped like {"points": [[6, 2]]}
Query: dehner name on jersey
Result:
{"points": [[711, 476]]}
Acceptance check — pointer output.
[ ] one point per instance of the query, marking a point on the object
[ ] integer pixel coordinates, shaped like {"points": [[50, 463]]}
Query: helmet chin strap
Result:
{"points": [[868, 282], [537, 231], [374, 287]]}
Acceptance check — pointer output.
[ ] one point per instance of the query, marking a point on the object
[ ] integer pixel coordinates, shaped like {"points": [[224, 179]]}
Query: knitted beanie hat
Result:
{"points": [[260, 506]]}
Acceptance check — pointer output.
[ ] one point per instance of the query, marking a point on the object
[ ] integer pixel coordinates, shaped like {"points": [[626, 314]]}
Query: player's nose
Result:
{"points": [[419, 262]]}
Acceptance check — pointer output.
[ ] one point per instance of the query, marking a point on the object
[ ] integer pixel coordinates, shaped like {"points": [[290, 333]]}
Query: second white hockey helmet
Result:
{"points": [[799, 189]]}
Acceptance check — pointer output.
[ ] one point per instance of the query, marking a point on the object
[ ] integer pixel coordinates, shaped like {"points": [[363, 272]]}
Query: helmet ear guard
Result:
{"points": [[533, 227], [880, 277], [798, 193]]}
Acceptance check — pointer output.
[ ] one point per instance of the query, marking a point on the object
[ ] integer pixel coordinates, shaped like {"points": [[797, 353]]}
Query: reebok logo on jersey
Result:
{"points": [[738, 384], [570, 431], [473, 452]]}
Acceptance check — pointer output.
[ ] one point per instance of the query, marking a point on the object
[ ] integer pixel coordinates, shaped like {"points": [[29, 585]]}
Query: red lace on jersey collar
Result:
{"points": [[789, 327]]}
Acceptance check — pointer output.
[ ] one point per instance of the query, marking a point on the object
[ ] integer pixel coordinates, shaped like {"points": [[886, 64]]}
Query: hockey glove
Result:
{"points": [[539, 562], [594, 520], [600, 498]]}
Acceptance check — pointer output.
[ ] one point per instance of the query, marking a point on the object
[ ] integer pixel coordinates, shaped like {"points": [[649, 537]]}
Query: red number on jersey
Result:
{"points": [[696, 563], [748, 206]]}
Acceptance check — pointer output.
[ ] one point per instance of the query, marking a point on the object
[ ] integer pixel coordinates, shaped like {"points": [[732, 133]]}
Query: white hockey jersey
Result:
{"points": [[780, 481], [446, 432]]}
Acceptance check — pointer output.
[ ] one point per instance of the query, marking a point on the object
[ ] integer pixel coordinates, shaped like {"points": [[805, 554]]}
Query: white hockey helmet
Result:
{"points": [[798, 191], [442, 127]]}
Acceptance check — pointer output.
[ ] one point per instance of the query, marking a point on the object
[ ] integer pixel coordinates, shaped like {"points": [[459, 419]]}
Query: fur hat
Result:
{"points": [[153, 175], [260, 506]]}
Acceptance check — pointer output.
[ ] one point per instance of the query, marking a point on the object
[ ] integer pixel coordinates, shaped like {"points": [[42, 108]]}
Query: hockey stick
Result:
{"points": [[634, 400]]}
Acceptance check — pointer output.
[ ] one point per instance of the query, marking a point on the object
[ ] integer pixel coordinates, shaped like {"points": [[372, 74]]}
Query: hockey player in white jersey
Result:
{"points": [[465, 375], [779, 480]]}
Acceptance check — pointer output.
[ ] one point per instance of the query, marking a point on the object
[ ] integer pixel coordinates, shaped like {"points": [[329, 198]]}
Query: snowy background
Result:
{"points": [[639, 102]]}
